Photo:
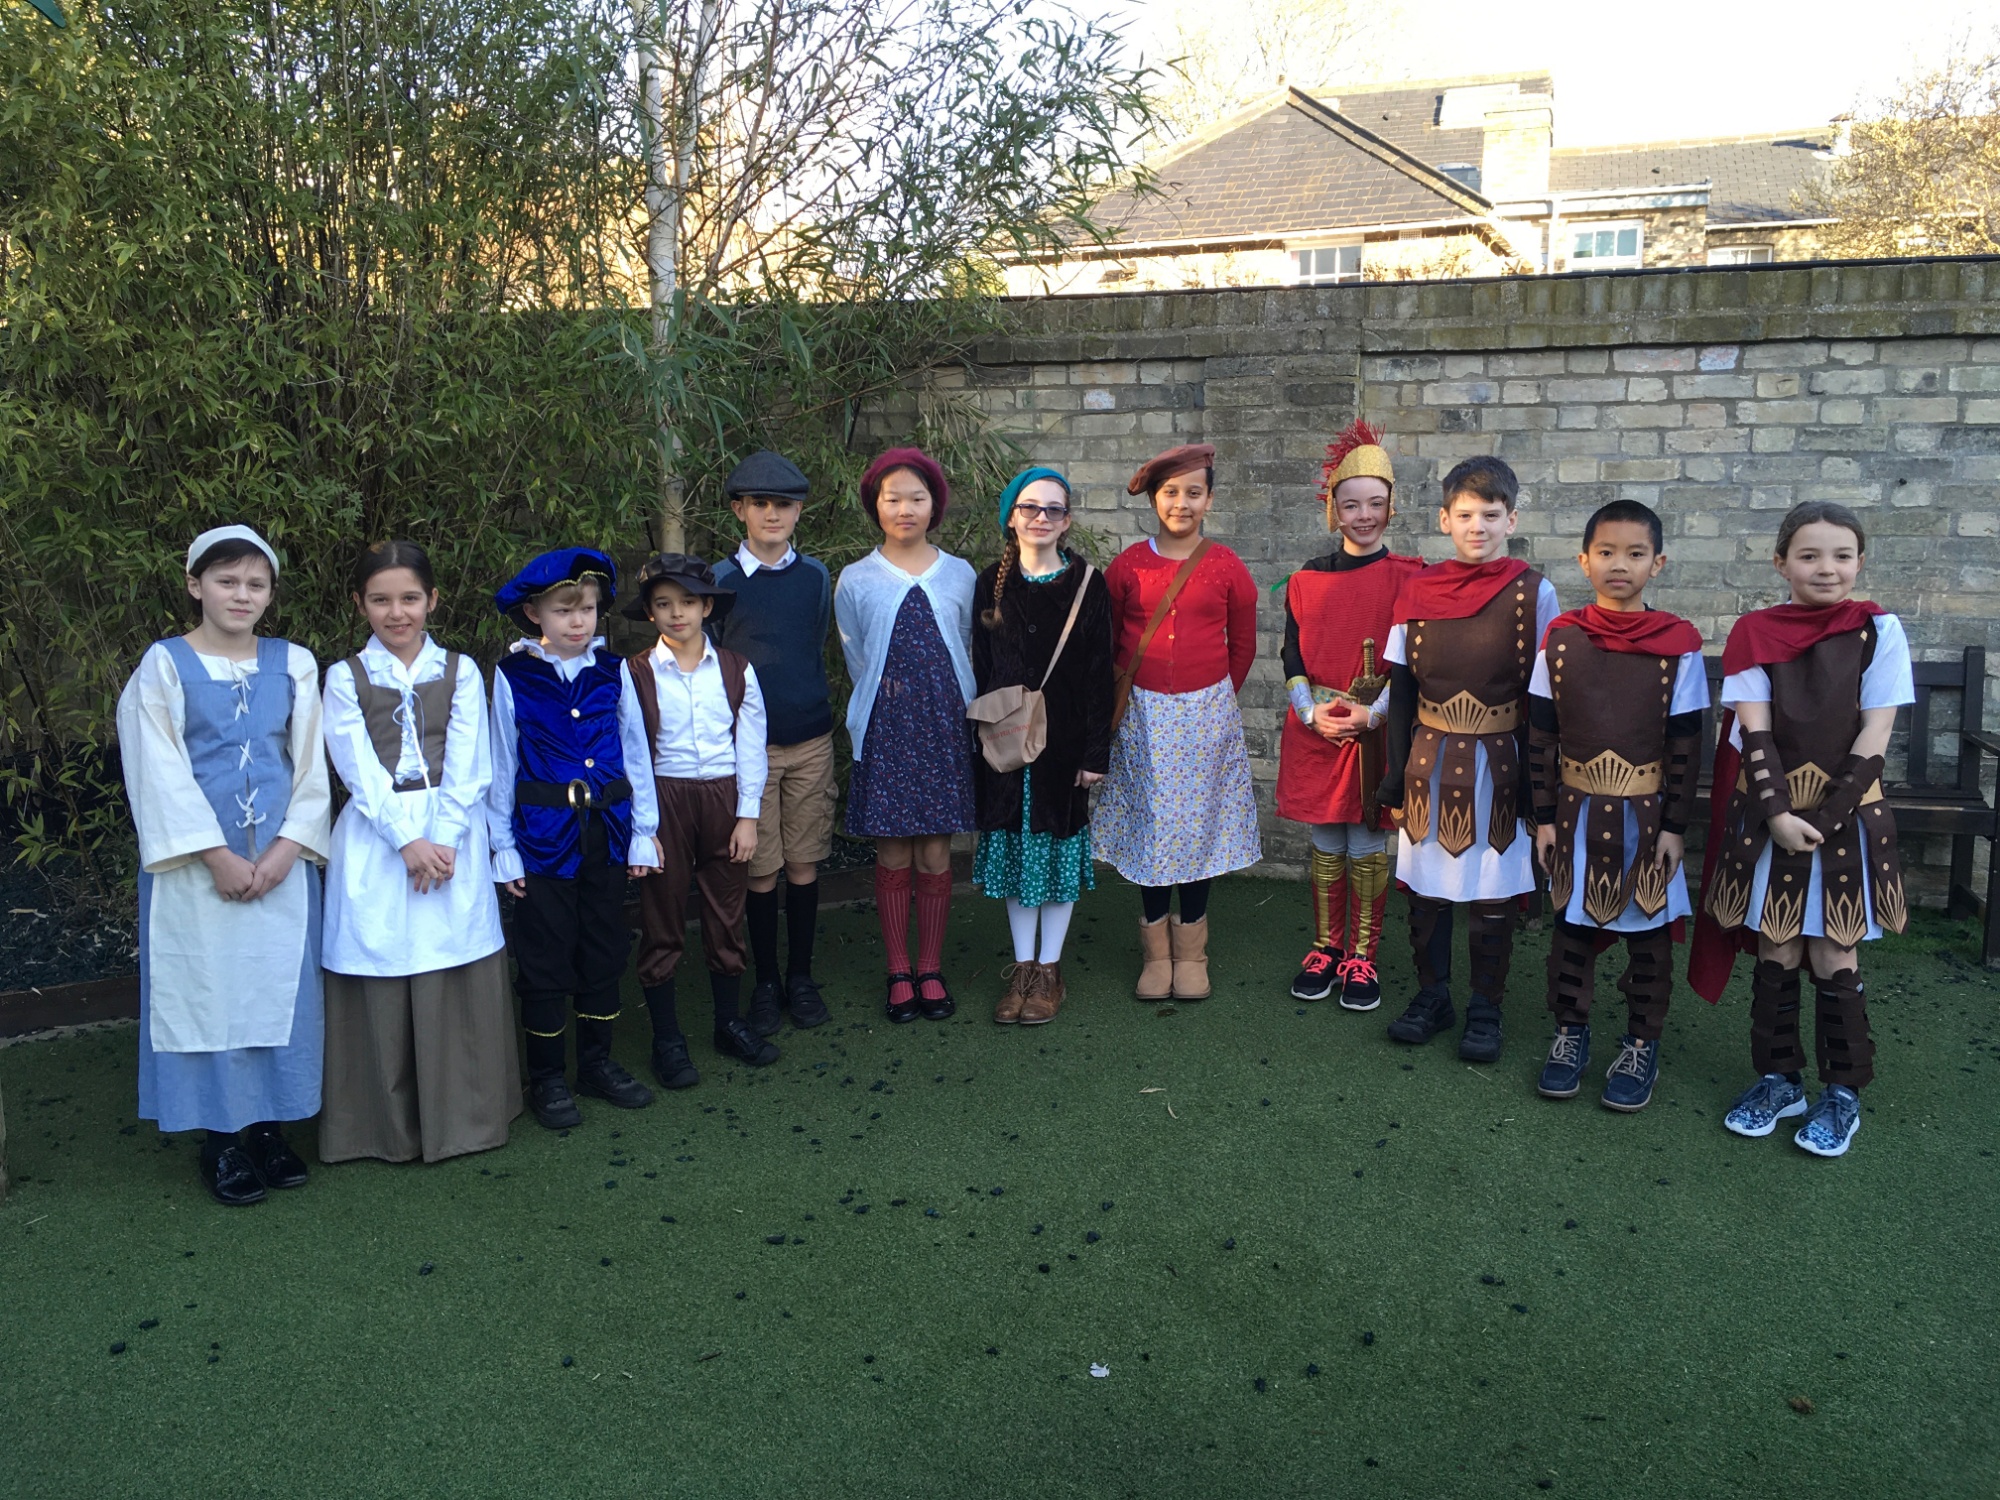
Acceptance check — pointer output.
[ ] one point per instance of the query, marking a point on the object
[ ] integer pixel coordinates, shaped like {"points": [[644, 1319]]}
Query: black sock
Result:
{"points": [[1156, 901], [1194, 901], [801, 927], [660, 1006], [760, 908], [726, 988]]}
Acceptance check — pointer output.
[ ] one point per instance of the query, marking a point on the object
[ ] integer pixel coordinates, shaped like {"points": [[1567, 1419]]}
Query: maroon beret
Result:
{"points": [[1182, 460], [918, 463]]}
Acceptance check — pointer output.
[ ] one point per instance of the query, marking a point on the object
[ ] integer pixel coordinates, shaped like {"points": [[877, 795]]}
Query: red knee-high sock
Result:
{"points": [[892, 905], [933, 909]]}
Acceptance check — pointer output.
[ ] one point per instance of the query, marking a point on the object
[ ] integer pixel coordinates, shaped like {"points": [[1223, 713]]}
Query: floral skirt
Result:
{"points": [[1033, 868], [1177, 805]]}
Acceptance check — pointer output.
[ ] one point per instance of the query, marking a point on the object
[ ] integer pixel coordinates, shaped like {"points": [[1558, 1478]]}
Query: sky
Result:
{"points": [[1659, 71]]}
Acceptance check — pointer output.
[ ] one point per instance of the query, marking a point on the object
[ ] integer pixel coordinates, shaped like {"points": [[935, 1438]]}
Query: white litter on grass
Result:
{"points": [[1099, 1372]]}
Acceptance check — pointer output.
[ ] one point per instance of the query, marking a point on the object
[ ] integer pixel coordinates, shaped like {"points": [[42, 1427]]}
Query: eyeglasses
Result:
{"points": [[1042, 512]]}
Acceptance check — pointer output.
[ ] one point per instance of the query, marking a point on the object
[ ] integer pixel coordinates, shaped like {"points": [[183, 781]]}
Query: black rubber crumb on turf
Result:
{"points": [[1368, 1338], [1569, 1223], [1312, 1369], [119, 1347], [868, 1359], [742, 1296], [1545, 1484], [604, 1260], [1091, 1237], [1520, 1307], [1230, 1243], [427, 1267], [149, 1322], [774, 1239], [1489, 1279], [568, 1360], [1258, 1383], [1043, 1268]]}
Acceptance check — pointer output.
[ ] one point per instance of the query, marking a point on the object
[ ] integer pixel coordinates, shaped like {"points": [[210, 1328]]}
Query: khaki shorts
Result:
{"points": [[795, 822]]}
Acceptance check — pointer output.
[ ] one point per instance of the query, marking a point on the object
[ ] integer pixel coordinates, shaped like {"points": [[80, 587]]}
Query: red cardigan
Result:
{"points": [[1209, 633]]}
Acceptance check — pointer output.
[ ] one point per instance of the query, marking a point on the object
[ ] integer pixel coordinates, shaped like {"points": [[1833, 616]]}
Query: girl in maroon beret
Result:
{"points": [[1177, 808]]}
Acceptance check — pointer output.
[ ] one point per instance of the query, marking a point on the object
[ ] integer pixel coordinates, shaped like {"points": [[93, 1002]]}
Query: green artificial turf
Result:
{"points": [[1499, 1294]]}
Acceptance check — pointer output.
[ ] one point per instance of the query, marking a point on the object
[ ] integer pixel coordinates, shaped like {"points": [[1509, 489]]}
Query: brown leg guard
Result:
{"points": [[1425, 914], [1841, 1038], [1774, 1019], [1329, 887], [1648, 981], [1492, 943], [1572, 973]]}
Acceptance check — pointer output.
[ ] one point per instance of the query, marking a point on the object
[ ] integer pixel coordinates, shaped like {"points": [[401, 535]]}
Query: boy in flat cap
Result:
{"points": [[704, 715], [783, 611], [570, 811]]}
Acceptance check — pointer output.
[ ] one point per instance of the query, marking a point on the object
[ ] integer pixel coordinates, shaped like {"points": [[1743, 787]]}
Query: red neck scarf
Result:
{"points": [[1454, 590], [1638, 632], [1766, 637]]}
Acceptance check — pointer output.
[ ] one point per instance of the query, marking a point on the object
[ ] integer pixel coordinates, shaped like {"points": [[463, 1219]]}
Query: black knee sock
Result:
{"points": [[760, 908], [801, 927], [1156, 901], [726, 988], [661, 1007], [1194, 901]]}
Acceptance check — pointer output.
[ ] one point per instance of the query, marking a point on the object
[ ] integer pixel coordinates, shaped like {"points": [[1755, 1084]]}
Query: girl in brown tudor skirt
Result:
{"points": [[421, 1058], [1802, 860]]}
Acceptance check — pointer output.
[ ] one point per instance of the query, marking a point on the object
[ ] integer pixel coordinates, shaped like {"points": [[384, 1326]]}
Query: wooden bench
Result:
{"points": [[1929, 801]]}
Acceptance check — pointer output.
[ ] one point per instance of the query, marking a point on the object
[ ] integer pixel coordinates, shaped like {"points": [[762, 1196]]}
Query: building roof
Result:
{"points": [[1289, 164], [1753, 177], [1413, 114]]}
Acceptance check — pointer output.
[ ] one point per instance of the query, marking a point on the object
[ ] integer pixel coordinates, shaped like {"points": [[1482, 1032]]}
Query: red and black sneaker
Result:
{"points": [[1319, 975], [1360, 988]]}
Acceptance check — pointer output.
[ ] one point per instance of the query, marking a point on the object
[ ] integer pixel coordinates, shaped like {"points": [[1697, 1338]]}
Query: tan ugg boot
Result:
{"points": [[1189, 943], [1020, 981], [1156, 972], [1046, 998]]}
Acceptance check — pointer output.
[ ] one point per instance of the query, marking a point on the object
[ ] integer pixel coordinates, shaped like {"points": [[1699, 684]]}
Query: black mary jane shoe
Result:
{"points": [[672, 1066], [902, 1011], [735, 1039], [277, 1164], [603, 1079], [804, 1001], [767, 1007], [230, 1177], [940, 1009], [553, 1105]]}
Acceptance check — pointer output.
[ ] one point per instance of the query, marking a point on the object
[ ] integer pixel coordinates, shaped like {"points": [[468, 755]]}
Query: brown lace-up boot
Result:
{"points": [[1020, 979], [1046, 998]]}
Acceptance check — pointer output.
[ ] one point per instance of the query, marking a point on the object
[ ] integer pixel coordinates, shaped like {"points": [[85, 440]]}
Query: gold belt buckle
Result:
{"points": [[579, 796]]}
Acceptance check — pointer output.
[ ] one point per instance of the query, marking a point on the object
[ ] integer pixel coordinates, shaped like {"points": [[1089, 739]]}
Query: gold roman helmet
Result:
{"points": [[1356, 453]]}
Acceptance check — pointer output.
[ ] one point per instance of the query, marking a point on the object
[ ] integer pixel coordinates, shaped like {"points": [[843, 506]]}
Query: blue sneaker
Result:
{"points": [[1831, 1123], [1569, 1055], [1628, 1082], [1772, 1098]]}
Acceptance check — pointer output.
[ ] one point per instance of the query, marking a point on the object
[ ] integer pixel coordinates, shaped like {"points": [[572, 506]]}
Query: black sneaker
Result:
{"points": [[767, 1012], [1318, 976], [1360, 985], [1481, 1042], [230, 1177], [1430, 1013], [277, 1164], [672, 1066], [603, 1079], [553, 1105], [737, 1040], [805, 1003]]}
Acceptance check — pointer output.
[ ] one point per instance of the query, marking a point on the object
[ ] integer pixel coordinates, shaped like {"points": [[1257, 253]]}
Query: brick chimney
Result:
{"points": [[1519, 132]]}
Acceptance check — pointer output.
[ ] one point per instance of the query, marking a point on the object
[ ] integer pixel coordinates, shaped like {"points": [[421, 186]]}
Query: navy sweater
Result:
{"points": [[780, 622]]}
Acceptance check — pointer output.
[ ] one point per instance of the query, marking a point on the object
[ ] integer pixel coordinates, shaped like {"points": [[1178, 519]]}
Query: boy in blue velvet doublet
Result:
{"points": [[568, 818]]}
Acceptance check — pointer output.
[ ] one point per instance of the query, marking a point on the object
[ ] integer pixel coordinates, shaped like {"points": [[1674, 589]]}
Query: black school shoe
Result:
{"points": [[601, 1078], [672, 1066], [1481, 1042], [767, 1012], [803, 1000], [737, 1040], [553, 1105], [277, 1164], [230, 1177], [1428, 1014], [901, 1011], [940, 1009]]}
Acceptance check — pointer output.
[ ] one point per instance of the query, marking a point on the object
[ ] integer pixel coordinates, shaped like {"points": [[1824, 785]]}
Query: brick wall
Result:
{"points": [[1718, 396]]}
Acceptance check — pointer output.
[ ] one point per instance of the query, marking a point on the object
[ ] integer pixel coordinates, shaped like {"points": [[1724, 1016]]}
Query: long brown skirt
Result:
{"points": [[426, 1065]]}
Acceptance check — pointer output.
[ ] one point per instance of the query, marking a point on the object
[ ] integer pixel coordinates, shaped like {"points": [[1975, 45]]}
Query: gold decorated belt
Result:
{"points": [[1608, 775], [1807, 786], [1464, 714]]}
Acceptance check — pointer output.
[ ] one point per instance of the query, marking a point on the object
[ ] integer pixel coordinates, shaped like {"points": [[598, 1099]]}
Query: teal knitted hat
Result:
{"points": [[1020, 482]]}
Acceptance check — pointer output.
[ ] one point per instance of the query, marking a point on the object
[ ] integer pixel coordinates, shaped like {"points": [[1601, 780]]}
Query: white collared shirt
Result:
{"points": [[750, 562], [697, 741]]}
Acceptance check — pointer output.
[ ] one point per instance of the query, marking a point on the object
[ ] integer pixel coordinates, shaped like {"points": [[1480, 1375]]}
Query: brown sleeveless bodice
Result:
{"points": [[380, 709]]}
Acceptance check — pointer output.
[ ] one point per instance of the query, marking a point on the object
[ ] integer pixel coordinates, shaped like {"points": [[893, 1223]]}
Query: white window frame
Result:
{"points": [[1343, 275], [1740, 255], [1573, 229]]}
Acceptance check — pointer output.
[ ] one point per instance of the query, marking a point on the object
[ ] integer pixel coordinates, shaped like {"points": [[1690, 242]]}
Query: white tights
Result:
{"points": [[1055, 927]]}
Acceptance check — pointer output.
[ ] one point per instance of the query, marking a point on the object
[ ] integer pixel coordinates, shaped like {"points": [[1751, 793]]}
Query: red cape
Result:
{"points": [[1454, 590], [1761, 638], [1639, 632]]}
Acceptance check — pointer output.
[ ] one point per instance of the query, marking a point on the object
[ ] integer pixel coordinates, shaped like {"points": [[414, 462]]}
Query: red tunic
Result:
{"points": [[1210, 632], [1319, 780]]}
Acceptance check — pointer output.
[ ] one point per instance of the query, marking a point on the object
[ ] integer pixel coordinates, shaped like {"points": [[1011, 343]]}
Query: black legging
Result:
{"points": [[1157, 900]]}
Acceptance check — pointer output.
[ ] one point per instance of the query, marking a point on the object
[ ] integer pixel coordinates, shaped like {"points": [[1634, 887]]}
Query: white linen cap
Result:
{"points": [[230, 534]]}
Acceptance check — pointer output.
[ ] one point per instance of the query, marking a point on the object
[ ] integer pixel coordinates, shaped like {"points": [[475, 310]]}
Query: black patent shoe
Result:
{"points": [[230, 1177], [1428, 1014], [553, 1105], [805, 1003], [737, 1040], [601, 1078], [906, 1009], [672, 1066], [940, 1008], [767, 1007], [277, 1164]]}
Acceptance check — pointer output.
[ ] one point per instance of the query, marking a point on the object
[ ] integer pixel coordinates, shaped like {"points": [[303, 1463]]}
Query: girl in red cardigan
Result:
{"points": [[1177, 808]]}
